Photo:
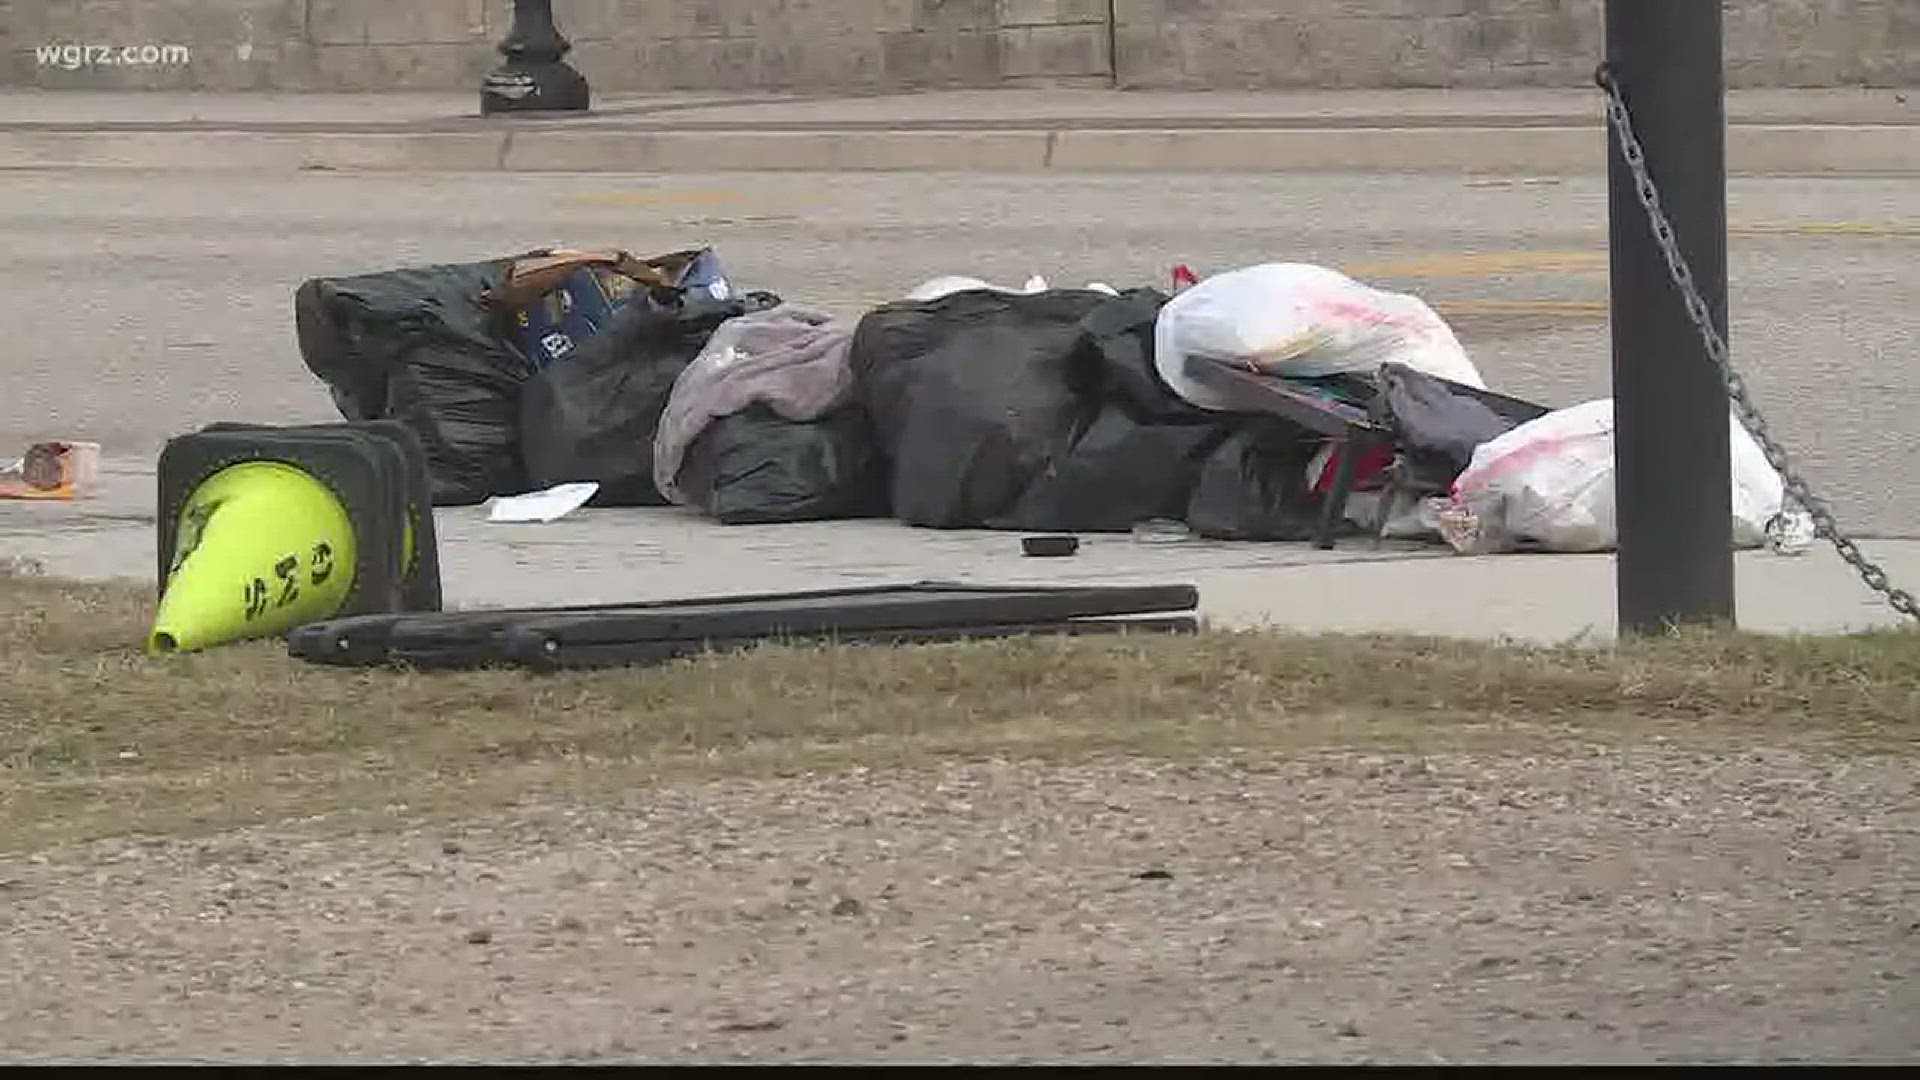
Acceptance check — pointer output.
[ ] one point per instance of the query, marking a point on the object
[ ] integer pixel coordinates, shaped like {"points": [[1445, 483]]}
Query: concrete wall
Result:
{"points": [[619, 44], [1374, 43], [736, 44]]}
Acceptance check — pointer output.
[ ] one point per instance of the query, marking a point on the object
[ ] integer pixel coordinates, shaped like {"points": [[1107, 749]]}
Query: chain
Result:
{"points": [[1797, 489]]}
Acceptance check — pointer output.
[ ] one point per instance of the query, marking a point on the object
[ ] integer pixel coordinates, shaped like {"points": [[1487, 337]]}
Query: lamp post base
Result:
{"points": [[535, 78], [523, 87]]}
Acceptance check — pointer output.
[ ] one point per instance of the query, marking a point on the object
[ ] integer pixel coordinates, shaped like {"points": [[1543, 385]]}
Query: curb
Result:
{"points": [[1751, 149]]}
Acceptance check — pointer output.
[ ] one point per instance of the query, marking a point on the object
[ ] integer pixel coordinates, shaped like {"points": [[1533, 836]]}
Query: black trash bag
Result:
{"points": [[971, 393], [1254, 486], [1121, 333], [591, 416], [1140, 457], [1115, 474], [756, 468], [1436, 423], [416, 345]]}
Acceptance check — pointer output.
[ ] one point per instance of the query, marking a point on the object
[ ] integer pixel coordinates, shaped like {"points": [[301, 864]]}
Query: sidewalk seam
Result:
{"points": [[1760, 150]]}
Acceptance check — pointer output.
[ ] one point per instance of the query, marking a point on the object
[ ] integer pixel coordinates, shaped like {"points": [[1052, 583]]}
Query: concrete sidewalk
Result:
{"points": [[1770, 131], [600, 556]]}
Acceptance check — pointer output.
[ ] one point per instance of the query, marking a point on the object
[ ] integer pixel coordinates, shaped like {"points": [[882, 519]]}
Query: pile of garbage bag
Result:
{"points": [[968, 405]]}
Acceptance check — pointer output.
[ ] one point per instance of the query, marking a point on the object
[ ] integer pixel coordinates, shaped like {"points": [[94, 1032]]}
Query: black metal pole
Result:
{"points": [[534, 78], [1671, 412]]}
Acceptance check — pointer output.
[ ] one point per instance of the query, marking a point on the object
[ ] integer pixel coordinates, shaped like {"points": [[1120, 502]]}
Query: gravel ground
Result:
{"points": [[1646, 905]]}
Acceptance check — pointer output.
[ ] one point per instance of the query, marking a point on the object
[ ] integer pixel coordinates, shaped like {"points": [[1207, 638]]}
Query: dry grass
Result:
{"points": [[98, 740]]}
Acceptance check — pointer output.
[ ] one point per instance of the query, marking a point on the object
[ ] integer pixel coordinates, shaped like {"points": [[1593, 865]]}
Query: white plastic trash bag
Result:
{"points": [[941, 287], [1299, 320], [947, 285], [1548, 484]]}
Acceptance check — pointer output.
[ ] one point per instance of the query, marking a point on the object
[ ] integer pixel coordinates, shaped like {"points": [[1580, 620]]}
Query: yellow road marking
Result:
{"points": [[1824, 228], [1469, 264], [1483, 264], [1559, 308]]}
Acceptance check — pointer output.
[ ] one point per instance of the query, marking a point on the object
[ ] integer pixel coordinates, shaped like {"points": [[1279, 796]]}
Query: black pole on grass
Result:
{"points": [[1672, 466]]}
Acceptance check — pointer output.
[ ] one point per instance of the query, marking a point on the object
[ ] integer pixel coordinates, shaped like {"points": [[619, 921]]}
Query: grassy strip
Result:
{"points": [[98, 740]]}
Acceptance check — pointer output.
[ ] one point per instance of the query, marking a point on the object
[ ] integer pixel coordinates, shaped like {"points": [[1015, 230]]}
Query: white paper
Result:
{"points": [[542, 506]]}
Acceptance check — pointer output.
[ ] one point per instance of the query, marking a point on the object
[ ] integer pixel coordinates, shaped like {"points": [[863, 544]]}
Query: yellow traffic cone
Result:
{"points": [[261, 548]]}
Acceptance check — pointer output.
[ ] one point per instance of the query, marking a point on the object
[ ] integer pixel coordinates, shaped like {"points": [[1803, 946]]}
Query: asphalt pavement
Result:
{"points": [[148, 304]]}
